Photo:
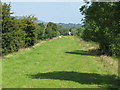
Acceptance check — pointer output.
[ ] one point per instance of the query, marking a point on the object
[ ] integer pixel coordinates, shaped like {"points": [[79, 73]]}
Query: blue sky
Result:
{"points": [[58, 12]]}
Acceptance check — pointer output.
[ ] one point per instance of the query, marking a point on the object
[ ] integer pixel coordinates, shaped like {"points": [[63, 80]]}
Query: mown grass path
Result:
{"points": [[61, 63]]}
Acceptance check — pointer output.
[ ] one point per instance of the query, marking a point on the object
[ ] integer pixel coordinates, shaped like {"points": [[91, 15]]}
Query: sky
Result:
{"points": [[58, 12], [42, 0]]}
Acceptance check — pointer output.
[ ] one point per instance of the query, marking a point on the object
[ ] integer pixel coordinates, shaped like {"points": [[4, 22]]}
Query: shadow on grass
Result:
{"points": [[107, 81], [93, 52]]}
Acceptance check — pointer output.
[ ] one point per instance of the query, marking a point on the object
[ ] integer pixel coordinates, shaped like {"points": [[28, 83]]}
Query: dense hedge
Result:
{"points": [[24, 32], [51, 30], [101, 23]]}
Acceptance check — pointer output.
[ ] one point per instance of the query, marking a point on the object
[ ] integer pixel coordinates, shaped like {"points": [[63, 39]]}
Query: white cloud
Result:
{"points": [[42, 0]]}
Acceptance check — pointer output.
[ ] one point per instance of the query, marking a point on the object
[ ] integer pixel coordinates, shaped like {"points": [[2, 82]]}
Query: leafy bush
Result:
{"points": [[23, 32], [101, 25]]}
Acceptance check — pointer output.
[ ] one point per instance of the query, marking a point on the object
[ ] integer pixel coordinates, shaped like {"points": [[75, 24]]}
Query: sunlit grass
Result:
{"points": [[61, 63], [0, 73]]}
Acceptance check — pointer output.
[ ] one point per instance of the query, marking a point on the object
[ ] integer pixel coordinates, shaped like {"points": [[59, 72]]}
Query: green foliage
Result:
{"points": [[41, 33], [73, 31], [23, 32], [11, 33], [31, 31], [16, 33], [62, 30], [51, 30], [116, 45], [101, 25], [79, 31]]}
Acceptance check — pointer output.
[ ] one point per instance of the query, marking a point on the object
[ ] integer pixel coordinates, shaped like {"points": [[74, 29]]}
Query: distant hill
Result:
{"points": [[40, 21], [37, 21], [69, 25]]}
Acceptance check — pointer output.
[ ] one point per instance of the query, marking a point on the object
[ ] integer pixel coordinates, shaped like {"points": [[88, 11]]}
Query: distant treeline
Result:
{"points": [[70, 25], [101, 24], [24, 32]]}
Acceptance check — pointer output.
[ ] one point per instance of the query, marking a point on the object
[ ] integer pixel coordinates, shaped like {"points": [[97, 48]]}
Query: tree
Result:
{"points": [[31, 30], [79, 31], [11, 33], [17, 33], [41, 33], [101, 25], [64, 31], [73, 31], [51, 30]]}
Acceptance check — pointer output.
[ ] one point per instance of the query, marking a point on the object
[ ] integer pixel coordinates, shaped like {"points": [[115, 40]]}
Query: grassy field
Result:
{"points": [[61, 63], [0, 74]]}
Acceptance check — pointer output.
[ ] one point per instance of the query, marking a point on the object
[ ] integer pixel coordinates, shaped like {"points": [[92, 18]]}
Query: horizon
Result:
{"points": [[57, 12]]}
